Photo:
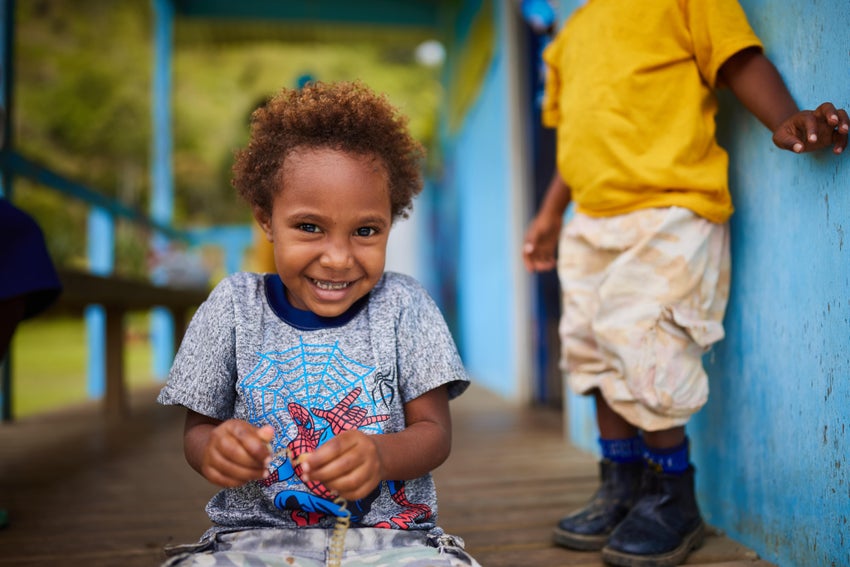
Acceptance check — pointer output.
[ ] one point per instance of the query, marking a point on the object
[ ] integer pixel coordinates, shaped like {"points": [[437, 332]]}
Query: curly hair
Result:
{"points": [[344, 116]]}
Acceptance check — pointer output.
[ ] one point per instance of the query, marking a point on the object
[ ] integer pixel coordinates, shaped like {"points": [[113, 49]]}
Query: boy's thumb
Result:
{"points": [[266, 433]]}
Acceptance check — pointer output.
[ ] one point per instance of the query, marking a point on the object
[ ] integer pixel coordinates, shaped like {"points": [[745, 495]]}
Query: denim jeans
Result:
{"points": [[309, 547]]}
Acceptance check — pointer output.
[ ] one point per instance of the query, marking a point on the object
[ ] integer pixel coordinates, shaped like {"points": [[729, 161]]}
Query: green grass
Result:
{"points": [[49, 362]]}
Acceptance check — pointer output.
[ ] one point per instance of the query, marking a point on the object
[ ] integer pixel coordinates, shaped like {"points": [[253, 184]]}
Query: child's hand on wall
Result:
{"points": [[808, 130]]}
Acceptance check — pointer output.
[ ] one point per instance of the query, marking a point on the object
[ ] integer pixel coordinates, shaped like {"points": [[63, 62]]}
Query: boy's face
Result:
{"points": [[329, 228]]}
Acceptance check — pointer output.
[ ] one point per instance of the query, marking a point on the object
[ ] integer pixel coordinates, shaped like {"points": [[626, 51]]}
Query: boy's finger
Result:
{"points": [[841, 132], [234, 450], [839, 142], [266, 433], [788, 139], [827, 112], [323, 455], [226, 470], [249, 438], [811, 122], [253, 441], [527, 258], [843, 126], [321, 464]]}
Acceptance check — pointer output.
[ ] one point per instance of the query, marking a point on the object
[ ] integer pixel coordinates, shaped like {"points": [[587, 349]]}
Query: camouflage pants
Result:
{"points": [[644, 296], [267, 547]]}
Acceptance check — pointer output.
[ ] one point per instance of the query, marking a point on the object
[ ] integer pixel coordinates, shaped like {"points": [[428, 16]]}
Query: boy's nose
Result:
{"points": [[336, 255]]}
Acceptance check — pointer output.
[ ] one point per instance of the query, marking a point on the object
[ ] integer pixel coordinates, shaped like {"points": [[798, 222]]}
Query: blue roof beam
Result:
{"points": [[391, 13]]}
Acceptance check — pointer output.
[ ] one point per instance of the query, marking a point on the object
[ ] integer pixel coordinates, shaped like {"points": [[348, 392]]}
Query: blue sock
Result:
{"points": [[622, 450], [674, 460]]}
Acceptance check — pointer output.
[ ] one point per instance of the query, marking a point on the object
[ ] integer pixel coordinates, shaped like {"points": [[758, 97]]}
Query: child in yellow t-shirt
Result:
{"points": [[644, 262]]}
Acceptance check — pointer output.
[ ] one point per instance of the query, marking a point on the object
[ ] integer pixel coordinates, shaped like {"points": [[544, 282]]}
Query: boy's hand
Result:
{"points": [[237, 452], [541, 243], [808, 130], [349, 464]]}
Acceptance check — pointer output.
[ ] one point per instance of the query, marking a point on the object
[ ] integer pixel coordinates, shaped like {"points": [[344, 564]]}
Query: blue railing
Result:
{"points": [[13, 163]]}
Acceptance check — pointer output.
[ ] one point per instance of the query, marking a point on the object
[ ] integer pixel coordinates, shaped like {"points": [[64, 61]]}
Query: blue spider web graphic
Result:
{"points": [[312, 375]]}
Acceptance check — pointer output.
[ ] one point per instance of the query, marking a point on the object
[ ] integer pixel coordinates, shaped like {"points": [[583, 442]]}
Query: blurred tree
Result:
{"points": [[81, 108], [83, 81]]}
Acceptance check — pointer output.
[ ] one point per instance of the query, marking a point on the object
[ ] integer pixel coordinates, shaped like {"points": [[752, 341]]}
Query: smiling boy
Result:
{"points": [[329, 378]]}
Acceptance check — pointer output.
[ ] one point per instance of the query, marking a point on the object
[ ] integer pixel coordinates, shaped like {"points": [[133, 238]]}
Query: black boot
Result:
{"points": [[662, 527], [589, 528]]}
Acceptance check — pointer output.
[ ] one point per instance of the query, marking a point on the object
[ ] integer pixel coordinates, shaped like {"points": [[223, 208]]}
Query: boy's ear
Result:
{"points": [[265, 222]]}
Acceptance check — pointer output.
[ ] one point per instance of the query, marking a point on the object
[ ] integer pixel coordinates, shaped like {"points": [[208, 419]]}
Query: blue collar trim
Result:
{"points": [[305, 320]]}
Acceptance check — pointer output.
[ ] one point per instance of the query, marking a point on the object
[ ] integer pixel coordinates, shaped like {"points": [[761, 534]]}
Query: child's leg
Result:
{"points": [[664, 524], [664, 439], [583, 261], [620, 471], [648, 292], [611, 424]]}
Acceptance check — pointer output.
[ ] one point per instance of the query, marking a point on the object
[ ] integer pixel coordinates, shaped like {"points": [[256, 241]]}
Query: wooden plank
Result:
{"points": [[114, 400], [118, 296], [83, 490], [81, 289], [512, 476]]}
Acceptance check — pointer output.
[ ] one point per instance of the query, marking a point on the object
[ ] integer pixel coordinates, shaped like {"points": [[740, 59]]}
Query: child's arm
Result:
{"points": [[760, 88], [541, 238], [353, 463], [226, 453]]}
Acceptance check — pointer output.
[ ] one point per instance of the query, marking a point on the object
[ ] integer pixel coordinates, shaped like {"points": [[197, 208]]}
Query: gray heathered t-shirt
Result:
{"points": [[248, 354]]}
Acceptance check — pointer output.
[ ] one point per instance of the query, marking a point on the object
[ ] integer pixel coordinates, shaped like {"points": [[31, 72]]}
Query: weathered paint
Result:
{"points": [[772, 443], [483, 270], [483, 168], [162, 174]]}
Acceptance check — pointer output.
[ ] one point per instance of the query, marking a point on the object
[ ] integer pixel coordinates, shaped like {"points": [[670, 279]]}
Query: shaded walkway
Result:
{"points": [[82, 492]]}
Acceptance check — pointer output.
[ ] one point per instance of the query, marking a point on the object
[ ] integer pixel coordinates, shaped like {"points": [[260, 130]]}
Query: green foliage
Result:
{"points": [[218, 86], [83, 91], [81, 108], [82, 88], [44, 382]]}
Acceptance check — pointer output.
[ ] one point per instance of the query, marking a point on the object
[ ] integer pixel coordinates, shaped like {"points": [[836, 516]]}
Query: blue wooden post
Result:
{"points": [[101, 253], [234, 240], [162, 185], [7, 60], [7, 11]]}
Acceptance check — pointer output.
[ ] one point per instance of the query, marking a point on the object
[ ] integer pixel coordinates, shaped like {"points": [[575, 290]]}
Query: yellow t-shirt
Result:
{"points": [[630, 89]]}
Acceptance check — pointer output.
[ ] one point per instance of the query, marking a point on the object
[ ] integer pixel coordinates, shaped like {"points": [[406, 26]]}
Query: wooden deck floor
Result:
{"points": [[81, 491]]}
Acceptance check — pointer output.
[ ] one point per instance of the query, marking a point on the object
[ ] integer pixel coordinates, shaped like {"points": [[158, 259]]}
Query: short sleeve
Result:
{"points": [[550, 111], [719, 29], [203, 375], [427, 355]]}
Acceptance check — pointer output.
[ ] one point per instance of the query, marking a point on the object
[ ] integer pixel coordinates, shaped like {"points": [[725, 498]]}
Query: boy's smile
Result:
{"points": [[329, 226]]}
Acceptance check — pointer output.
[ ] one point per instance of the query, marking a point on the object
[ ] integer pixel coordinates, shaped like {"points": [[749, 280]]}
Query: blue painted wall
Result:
{"points": [[772, 442], [479, 165], [771, 445], [483, 271]]}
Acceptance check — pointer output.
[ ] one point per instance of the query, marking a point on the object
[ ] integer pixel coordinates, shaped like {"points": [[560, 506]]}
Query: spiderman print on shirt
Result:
{"points": [[311, 393]]}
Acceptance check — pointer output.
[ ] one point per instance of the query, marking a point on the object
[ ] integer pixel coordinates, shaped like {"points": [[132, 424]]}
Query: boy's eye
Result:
{"points": [[365, 231], [307, 227]]}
